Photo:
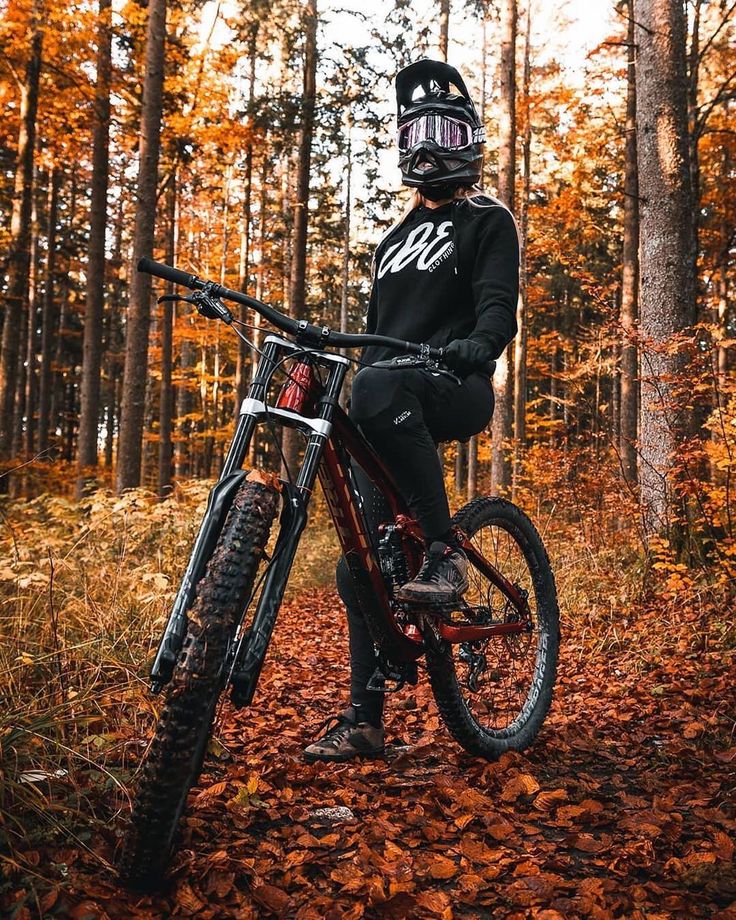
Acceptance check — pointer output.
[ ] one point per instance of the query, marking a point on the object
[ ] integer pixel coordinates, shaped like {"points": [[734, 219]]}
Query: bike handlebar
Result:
{"points": [[307, 331], [168, 273]]}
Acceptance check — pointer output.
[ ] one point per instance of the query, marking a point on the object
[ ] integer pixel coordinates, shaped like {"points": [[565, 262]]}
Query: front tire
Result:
{"points": [[174, 759], [494, 696]]}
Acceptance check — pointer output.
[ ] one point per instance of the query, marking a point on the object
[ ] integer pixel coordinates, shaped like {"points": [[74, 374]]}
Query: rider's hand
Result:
{"points": [[465, 356]]}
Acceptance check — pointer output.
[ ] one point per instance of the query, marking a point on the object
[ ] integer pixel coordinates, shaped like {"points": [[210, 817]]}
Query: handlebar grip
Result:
{"points": [[167, 272]]}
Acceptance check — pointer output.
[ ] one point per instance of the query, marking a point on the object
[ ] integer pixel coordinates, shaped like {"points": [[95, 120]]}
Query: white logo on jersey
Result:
{"points": [[425, 244]]}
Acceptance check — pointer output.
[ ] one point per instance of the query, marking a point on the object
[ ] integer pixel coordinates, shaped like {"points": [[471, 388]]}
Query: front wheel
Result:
{"points": [[493, 696], [174, 759]]}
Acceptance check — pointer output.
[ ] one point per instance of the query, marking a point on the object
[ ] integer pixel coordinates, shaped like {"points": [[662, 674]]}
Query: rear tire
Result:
{"points": [[506, 712], [174, 759]]}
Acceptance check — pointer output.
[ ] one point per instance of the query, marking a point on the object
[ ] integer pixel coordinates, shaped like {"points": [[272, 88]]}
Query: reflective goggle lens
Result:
{"points": [[445, 132]]}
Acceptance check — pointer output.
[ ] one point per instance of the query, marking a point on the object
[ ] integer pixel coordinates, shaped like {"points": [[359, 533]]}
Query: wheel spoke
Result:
{"points": [[505, 680]]}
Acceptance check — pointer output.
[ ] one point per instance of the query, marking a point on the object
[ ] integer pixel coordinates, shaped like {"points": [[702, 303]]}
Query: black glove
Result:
{"points": [[465, 356]]}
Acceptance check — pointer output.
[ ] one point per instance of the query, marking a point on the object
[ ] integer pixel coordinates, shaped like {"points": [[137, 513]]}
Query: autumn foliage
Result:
{"points": [[618, 439], [622, 805]]}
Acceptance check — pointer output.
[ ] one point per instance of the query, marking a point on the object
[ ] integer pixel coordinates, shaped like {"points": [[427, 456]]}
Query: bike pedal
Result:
{"points": [[394, 680]]}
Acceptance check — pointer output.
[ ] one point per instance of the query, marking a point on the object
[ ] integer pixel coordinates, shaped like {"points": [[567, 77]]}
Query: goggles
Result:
{"points": [[446, 132]]}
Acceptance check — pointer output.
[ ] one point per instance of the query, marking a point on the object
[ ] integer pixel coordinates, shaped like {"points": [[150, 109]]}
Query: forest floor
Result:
{"points": [[623, 808]]}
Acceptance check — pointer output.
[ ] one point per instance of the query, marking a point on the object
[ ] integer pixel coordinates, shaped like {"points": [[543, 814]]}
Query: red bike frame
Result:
{"points": [[337, 484]]}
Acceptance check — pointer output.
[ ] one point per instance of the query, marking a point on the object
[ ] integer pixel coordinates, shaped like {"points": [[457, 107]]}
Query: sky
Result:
{"points": [[587, 23], [565, 30]]}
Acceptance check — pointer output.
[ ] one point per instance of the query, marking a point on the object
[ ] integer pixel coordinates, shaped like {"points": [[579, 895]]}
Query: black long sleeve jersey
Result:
{"points": [[447, 273]]}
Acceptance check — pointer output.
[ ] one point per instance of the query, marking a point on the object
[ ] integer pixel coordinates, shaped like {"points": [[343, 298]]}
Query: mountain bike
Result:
{"points": [[491, 658]]}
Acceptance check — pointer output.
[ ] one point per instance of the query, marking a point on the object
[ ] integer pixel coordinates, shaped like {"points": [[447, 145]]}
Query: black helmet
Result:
{"points": [[440, 134]]}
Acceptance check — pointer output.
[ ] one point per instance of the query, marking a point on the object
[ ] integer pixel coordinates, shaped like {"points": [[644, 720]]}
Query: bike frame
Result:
{"points": [[311, 406]]}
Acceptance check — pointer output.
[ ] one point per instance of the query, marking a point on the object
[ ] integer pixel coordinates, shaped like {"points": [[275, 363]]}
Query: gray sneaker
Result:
{"points": [[346, 739], [442, 579]]}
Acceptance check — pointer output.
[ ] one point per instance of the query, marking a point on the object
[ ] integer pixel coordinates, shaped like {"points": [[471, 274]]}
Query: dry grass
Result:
{"points": [[85, 590]]}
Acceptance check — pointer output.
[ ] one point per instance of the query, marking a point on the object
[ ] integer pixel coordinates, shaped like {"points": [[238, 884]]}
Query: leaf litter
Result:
{"points": [[596, 820]]}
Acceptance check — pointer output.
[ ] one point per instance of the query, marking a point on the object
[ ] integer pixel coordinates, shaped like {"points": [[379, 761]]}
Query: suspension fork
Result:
{"points": [[218, 505], [252, 644]]}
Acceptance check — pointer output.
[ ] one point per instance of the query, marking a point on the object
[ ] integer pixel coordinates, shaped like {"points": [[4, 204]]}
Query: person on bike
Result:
{"points": [[446, 274]]}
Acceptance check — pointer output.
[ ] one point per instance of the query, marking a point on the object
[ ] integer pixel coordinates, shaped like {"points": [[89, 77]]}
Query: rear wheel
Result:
{"points": [[174, 759], [494, 695]]}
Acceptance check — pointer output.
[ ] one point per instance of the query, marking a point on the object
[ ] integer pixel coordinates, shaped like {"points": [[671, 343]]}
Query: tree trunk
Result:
{"points": [[297, 285], [58, 375], [18, 265], [693, 74], [114, 340], [629, 411], [48, 318], [461, 456], [241, 376], [444, 27], [19, 401], [502, 384], [723, 313], [31, 429], [345, 280], [28, 432], [128, 473], [166, 397], [94, 311], [346, 235], [183, 452], [473, 443], [472, 468], [522, 308], [260, 270], [553, 394], [666, 253]]}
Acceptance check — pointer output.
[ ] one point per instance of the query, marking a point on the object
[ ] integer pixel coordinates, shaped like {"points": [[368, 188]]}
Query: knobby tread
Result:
{"points": [[446, 689], [174, 758]]}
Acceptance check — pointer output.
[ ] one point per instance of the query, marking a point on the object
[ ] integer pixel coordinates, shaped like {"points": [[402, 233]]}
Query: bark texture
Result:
{"points": [[297, 281], [241, 376], [629, 407], [19, 259], [502, 379], [94, 308], [444, 27], [166, 395], [128, 472], [520, 348], [667, 285]]}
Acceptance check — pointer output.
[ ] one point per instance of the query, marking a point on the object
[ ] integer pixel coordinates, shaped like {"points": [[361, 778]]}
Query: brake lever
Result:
{"points": [[206, 305], [421, 362], [445, 373]]}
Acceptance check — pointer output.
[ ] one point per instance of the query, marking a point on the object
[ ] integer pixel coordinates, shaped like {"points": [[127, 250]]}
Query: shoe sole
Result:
{"points": [[342, 758], [430, 600]]}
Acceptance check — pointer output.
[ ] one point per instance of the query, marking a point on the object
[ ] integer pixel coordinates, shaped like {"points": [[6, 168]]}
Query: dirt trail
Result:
{"points": [[624, 808]]}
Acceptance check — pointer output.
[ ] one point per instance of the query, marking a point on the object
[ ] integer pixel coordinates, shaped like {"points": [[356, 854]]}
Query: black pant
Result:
{"points": [[404, 413]]}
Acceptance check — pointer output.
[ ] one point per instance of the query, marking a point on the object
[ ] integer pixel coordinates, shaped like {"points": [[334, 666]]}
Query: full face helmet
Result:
{"points": [[439, 131]]}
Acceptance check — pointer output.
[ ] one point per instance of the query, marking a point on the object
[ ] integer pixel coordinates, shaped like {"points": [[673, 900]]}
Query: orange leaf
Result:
{"points": [[442, 867], [187, 899], [273, 898], [215, 789], [548, 798], [521, 784]]}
